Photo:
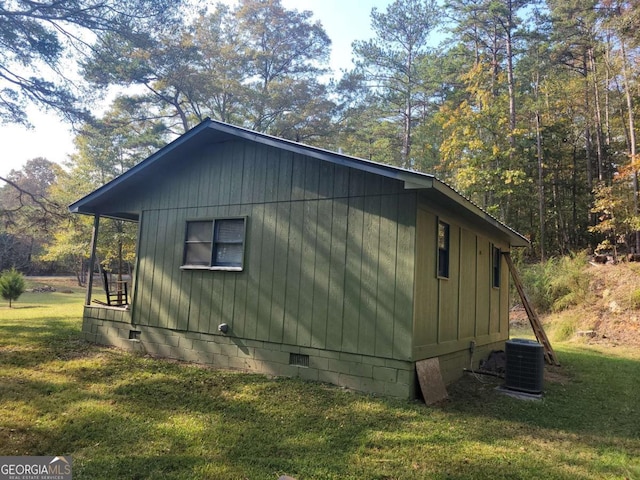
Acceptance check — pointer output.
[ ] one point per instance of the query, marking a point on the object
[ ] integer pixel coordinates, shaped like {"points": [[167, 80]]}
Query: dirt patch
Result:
{"points": [[53, 284], [613, 309], [518, 317], [610, 316], [43, 289], [554, 374]]}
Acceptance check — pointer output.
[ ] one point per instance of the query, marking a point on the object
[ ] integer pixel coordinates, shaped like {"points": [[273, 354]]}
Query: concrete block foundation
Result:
{"points": [[357, 372], [375, 375]]}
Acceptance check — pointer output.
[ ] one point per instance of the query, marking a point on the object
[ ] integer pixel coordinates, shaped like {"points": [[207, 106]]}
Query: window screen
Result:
{"points": [[229, 242], [217, 243], [197, 250]]}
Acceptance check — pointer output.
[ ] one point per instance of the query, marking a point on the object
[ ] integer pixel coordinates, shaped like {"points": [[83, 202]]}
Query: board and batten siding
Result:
{"points": [[329, 252], [450, 312]]}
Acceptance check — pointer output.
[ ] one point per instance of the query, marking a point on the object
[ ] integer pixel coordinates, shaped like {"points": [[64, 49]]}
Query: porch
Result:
{"points": [[108, 326], [110, 291]]}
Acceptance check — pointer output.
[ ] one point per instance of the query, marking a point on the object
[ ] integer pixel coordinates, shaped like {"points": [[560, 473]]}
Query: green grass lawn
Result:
{"points": [[123, 416]]}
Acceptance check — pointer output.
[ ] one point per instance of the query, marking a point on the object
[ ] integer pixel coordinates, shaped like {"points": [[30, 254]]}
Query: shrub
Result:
{"points": [[12, 285], [558, 283], [634, 299], [570, 285], [564, 327], [536, 279]]}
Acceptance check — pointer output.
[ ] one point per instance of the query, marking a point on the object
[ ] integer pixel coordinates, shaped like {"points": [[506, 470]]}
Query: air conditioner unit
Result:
{"points": [[524, 370]]}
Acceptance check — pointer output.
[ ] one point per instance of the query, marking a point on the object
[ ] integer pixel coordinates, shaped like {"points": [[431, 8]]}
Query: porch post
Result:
{"points": [[92, 259]]}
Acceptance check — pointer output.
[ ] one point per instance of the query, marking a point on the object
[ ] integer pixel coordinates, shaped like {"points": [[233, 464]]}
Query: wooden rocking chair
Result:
{"points": [[116, 293]]}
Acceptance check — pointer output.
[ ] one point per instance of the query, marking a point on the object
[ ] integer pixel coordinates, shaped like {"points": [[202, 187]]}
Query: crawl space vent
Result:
{"points": [[524, 365], [299, 359]]}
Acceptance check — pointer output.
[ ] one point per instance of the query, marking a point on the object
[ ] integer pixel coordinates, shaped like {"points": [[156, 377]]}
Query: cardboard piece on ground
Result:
{"points": [[431, 383]]}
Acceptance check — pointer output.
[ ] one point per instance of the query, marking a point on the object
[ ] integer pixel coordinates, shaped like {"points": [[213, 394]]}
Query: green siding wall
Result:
{"points": [[451, 312], [328, 260]]}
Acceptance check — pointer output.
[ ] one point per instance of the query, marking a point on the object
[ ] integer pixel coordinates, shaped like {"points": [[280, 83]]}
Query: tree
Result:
{"points": [[28, 212], [25, 203], [222, 65], [14, 251], [38, 42], [475, 150], [504, 13], [109, 146], [164, 63], [623, 18], [257, 65], [490, 29], [574, 37], [617, 219], [37, 37], [106, 148], [70, 246], [389, 62], [12, 285], [288, 53]]}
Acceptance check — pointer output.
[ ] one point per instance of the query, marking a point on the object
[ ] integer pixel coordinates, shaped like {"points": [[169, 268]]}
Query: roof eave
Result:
{"points": [[79, 206], [515, 239], [411, 179]]}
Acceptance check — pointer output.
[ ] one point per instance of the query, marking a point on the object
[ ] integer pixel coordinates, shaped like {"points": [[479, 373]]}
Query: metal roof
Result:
{"points": [[212, 131]]}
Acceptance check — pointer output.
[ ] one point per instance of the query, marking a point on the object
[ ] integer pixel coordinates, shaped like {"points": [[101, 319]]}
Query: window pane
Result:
{"points": [[199, 231], [197, 253], [496, 266], [230, 231], [443, 249], [228, 254], [443, 236], [443, 263]]}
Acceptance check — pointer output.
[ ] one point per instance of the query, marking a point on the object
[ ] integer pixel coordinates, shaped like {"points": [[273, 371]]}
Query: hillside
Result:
{"points": [[606, 312]]}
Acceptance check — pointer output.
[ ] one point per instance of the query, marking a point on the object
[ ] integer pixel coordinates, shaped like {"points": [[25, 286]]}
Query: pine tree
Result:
{"points": [[12, 285]]}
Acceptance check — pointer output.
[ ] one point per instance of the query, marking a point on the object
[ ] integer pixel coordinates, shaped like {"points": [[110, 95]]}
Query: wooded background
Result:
{"points": [[526, 107]]}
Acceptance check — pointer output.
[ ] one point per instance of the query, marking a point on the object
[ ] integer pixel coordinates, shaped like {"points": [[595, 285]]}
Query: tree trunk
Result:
{"points": [[406, 136], [574, 196], [183, 116], [607, 98], [587, 129], [632, 135], [80, 272], [598, 119], [541, 196], [494, 64], [408, 112], [510, 80], [562, 231]]}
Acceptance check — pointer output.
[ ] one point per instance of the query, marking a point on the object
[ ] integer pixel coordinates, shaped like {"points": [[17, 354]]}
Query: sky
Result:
{"points": [[50, 138]]}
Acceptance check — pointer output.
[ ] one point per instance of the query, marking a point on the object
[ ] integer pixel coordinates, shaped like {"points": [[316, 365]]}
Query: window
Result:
{"points": [[197, 248], [443, 249], [215, 244], [228, 243], [495, 266]]}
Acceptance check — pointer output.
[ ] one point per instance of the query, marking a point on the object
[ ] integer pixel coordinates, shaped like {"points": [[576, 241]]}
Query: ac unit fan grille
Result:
{"points": [[524, 365]]}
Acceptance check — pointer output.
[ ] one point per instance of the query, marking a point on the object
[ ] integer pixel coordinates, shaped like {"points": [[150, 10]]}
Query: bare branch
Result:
{"points": [[47, 206]]}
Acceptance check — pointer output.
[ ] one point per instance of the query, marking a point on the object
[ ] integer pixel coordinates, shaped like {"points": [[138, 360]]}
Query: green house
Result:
{"points": [[266, 255]]}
